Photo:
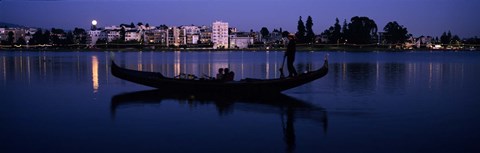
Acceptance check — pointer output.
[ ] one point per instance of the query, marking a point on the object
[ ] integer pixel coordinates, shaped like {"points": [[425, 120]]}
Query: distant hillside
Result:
{"points": [[10, 25]]}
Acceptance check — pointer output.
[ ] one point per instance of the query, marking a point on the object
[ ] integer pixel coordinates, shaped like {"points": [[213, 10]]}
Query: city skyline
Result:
{"points": [[427, 17]]}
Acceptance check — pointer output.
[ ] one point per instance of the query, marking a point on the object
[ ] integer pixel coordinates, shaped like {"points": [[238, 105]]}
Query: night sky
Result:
{"points": [[421, 17]]}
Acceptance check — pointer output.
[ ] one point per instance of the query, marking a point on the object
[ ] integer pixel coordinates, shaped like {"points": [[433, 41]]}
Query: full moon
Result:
{"points": [[94, 22]]}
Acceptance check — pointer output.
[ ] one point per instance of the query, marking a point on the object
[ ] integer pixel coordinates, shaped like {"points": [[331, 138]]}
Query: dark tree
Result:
{"points": [[57, 31], [46, 37], [310, 37], [122, 35], [265, 33], [361, 30], [334, 33], [446, 38], [10, 38], [474, 40], [36, 37], [285, 33], [337, 31], [21, 41], [449, 35], [395, 33], [132, 25], [328, 34], [163, 27], [56, 36], [70, 37], [344, 31], [455, 39], [300, 31], [79, 36]]}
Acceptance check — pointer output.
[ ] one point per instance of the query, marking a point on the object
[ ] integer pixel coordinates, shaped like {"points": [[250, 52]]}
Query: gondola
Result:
{"points": [[248, 85]]}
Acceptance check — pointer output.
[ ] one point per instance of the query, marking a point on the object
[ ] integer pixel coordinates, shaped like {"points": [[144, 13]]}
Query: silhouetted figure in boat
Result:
{"points": [[229, 75], [220, 74], [290, 54]]}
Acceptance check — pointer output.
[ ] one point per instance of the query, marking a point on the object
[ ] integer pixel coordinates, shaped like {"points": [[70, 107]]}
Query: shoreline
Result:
{"points": [[299, 49]]}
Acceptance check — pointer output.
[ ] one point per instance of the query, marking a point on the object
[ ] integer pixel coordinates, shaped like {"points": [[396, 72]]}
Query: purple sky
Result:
{"points": [[421, 17]]}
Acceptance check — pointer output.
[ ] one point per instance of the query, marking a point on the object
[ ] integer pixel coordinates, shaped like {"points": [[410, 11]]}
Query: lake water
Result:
{"points": [[418, 101]]}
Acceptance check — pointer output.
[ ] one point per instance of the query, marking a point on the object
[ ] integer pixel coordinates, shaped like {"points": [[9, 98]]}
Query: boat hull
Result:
{"points": [[157, 80]]}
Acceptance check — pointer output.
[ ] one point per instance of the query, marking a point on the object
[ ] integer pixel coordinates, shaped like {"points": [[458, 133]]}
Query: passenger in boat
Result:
{"points": [[229, 75], [290, 54], [220, 74]]}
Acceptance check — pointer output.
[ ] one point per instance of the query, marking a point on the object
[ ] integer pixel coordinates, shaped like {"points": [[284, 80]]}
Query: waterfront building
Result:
{"points": [[182, 37], [17, 33], [149, 37], [257, 37], [128, 27], [132, 35], [205, 35], [240, 40], [113, 35], [173, 36], [2, 34], [103, 36], [192, 34], [275, 36], [112, 28], [160, 36], [220, 34], [232, 30], [29, 34], [93, 36]]}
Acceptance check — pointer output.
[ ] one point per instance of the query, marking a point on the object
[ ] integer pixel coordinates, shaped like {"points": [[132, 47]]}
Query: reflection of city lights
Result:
{"points": [[95, 73], [176, 63], [267, 66], [139, 61], [28, 69], [4, 69]]}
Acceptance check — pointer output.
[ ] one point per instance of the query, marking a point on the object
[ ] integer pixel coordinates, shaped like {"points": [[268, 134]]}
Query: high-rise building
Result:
{"points": [[220, 34]]}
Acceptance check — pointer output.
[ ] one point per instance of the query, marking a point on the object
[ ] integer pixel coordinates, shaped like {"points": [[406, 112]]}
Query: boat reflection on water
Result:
{"points": [[288, 107]]}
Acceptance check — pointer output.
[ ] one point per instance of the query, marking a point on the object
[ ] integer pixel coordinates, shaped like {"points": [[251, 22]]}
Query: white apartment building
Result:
{"points": [[93, 36], [2, 34], [240, 40], [160, 36], [192, 34], [173, 36], [191, 29], [205, 34], [113, 35], [132, 35], [220, 34], [113, 28]]}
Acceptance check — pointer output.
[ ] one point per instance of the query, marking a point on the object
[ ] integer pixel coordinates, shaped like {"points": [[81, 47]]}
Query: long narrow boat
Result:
{"points": [[248, 85]]}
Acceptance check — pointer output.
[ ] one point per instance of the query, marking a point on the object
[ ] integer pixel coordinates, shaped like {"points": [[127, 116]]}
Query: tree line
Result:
{"points": [[54, 36], [363, 30]]}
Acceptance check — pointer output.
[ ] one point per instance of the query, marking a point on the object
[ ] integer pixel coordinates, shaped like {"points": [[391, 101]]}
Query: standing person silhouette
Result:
{"points": [[290, 54]]}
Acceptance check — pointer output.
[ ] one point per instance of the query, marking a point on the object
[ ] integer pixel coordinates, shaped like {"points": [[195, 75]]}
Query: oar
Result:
{"points": [[281, 68]]}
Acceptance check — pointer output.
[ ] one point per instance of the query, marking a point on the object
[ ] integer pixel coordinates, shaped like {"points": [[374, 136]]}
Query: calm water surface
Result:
{"points": [[369, 102]]}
